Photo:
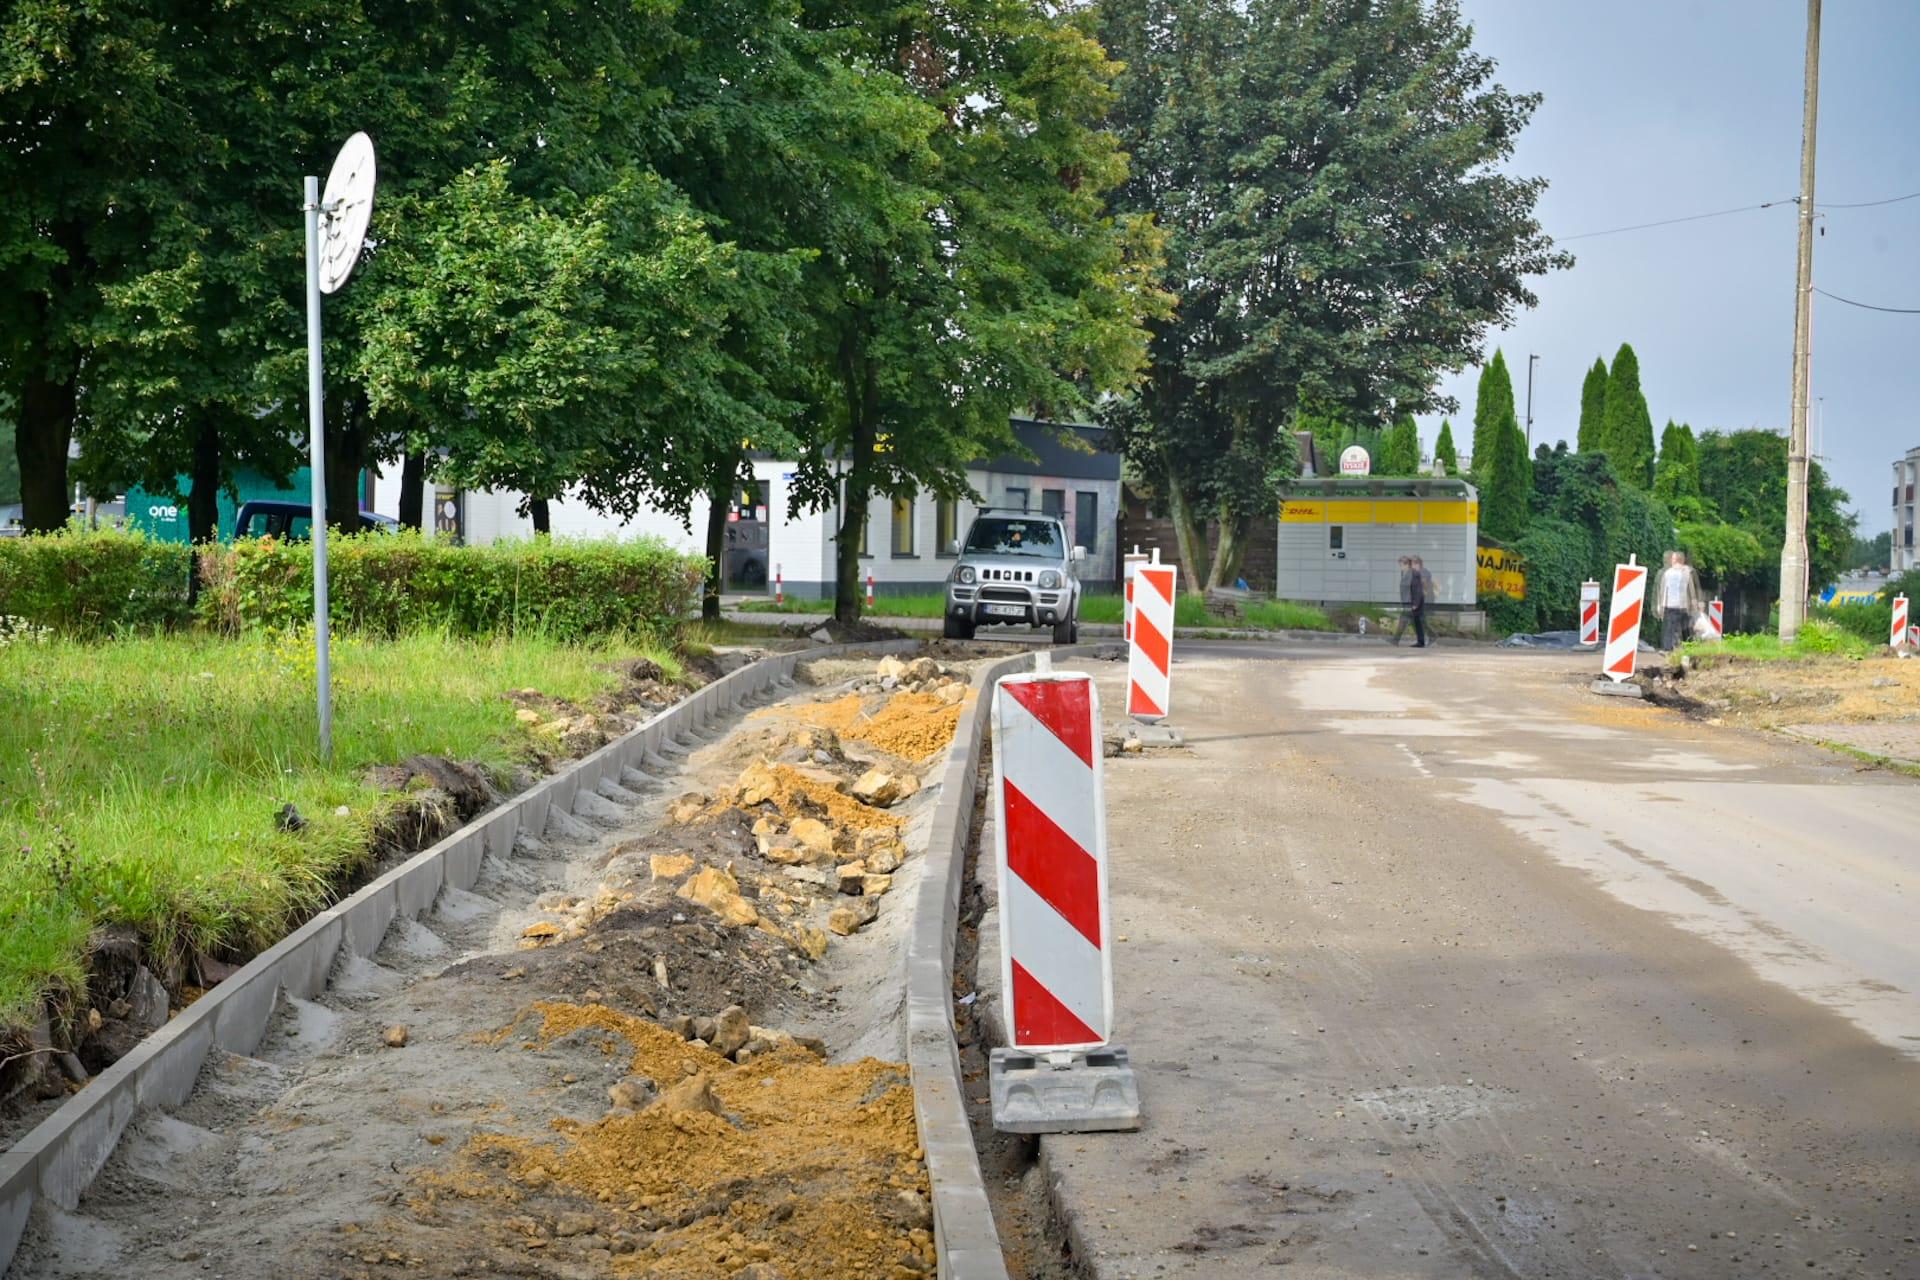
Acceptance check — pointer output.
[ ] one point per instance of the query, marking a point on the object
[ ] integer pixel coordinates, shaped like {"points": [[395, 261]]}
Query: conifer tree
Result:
{"points": [[1627, 436], [1593, 407], [1443, 451], [1492, 406], [1503, 482], [1400, 451]]}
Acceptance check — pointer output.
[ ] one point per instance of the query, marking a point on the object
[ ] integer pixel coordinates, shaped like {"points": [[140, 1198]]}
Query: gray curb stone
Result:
{"points": [[59, 1158]]}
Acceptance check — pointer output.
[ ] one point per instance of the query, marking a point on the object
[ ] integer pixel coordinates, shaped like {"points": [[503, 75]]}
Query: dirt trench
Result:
{"points": [[662, 1040]]}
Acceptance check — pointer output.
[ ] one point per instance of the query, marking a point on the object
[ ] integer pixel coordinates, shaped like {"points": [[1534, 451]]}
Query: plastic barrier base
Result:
{"points": [[1620, 689], [1086, 1091]]}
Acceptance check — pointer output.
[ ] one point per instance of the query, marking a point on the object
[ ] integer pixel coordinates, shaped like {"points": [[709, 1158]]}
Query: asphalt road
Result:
{"points": [[1434, 964]]}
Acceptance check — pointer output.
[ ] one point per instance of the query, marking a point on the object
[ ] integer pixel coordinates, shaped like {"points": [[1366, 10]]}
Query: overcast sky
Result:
{"points": [[1664, 108]]}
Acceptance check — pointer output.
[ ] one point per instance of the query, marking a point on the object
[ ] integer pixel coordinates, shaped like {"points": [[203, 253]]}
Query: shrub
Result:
{"points": [[389, 584], [1508, 616], [1871, 622], [93, 582]]}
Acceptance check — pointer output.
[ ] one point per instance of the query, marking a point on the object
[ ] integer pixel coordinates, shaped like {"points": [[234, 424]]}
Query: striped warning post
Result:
{"points": [[1716, 620], [1899, 621], [1128, 563], [1051, 835], [1623, 620], [1150, 648], [1590, 612]]}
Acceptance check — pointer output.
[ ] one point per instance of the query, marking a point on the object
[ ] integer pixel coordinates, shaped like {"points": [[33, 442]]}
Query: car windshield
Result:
{"points": [[998, 537]]}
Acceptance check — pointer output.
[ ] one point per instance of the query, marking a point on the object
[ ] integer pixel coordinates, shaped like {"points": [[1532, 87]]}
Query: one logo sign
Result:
{"points": [[1354, 461]]}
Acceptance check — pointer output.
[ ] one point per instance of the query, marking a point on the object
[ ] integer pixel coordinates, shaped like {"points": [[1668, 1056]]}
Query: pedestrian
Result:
{"points": [[1406, 576], [1419, 590], [1679, 600]]}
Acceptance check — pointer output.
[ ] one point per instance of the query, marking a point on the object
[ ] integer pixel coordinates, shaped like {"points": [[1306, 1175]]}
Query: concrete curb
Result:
{"points": [[59, 1158], [966, 1241], [1088, 630]]}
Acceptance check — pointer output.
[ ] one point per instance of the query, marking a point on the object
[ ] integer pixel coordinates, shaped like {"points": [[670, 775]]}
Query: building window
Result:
{"points": [[1016, 500], [946, 521], [1336, 537], [1053, 502], [903, 527], [1086, 520]]}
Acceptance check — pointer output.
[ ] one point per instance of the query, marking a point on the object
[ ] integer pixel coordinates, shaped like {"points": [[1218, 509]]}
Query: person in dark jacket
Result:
{"points": [[1419, 587], [1406, 576]]}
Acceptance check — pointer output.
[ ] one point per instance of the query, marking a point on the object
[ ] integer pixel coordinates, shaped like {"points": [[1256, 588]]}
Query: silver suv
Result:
{"points": [[1015, 569]]}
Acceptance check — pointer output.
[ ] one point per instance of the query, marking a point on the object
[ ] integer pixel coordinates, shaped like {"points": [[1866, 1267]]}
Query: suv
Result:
{"points": [[293, 521], [1015, 569]]}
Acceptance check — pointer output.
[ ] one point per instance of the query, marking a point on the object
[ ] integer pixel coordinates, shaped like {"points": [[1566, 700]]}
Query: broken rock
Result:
{"points": [[883, 790], [687, 808], [848, 920], [813, 835], [731, 1031], [695, 1093], [670, 866]]}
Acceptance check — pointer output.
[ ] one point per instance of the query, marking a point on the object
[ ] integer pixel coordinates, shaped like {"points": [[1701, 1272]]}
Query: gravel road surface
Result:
{"points": [[1434, 964]]}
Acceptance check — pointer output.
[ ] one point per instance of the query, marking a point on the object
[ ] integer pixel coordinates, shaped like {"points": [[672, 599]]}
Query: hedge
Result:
{"points": [[95, 582], [104, 582], [385, 584]]}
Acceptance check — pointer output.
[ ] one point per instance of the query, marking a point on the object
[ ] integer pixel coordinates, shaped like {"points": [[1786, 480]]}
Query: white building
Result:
{"points": [[1906, 474], [908, 542]]}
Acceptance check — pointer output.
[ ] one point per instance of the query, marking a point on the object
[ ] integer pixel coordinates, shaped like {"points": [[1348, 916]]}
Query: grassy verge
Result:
{"points": [[140, 779], [1819, 638], [1188, 611]]}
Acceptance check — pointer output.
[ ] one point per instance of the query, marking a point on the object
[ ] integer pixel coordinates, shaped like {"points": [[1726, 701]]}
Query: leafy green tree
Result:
{"points": [[1676, 479], [1340, 229], [1867, 553], [1400, 451], [1443, 450], [1493, 408], [1627, 429], [1593, 408], [1743, 474], [969, 268], [1584, 522]]}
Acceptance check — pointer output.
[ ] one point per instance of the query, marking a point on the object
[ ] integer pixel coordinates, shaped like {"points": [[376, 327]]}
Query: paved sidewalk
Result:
{"points": [[1896, 742]]}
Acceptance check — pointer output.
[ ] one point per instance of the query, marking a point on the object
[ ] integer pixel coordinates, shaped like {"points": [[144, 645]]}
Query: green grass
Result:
{"points": [[140, 778], [1188, 611], [1818, 638]]}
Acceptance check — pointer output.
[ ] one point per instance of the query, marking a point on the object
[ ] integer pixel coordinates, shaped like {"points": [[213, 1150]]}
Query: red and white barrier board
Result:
{"points": [[1050, 824], [1623, 620], [1128, 563], [1899, 621], [1150, 648], [1716, 620], [1590, 612]]}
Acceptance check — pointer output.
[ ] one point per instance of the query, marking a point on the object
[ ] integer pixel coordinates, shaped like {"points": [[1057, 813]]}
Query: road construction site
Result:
{"points": [[1429, 964], [662, 1039], [1436, 964]]}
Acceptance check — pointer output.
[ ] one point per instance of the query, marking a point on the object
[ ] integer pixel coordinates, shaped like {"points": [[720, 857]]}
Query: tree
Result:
{"points": [[1443, 450], [9, 464], [1627, 429], [1504, 486], [1400, 451], [1867, 553], [969, 269], [1492, 408], [1744, 475], [1339, 231], [1676, 479], [1593, 408]]}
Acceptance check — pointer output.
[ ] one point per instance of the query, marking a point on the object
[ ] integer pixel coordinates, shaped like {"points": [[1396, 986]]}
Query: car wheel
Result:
{"points": [[1067, 632], [958, 628]]}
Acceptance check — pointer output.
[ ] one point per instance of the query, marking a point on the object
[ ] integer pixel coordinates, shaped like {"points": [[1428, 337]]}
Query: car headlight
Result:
{"points": [[1049, 579], [963, 575]]}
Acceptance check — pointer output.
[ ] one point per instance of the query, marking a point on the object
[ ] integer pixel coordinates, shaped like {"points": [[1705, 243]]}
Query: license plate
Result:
{"points": [[1006, 611]]}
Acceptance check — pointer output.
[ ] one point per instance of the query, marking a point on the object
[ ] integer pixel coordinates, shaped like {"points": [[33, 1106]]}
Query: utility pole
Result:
{"points": [[1531, 361], [1793, 554]]}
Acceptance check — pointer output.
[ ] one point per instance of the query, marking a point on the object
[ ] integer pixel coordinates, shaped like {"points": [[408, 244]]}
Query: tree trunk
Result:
{"points": [[1190, 532], [719, 492], [346, 443], [203, 480], [861, 383], [40, 440], [1230, 552], [542, 516], [413, 479]]}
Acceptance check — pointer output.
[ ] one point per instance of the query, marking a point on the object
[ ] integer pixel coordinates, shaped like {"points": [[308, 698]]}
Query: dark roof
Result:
{"points": [[1379, 486], [1054, 455]]}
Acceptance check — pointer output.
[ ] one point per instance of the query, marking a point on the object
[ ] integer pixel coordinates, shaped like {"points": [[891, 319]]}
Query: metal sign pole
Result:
{"points": [[316, 462]]}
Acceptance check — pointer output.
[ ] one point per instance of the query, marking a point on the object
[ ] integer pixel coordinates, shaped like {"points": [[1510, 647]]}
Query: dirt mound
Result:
{"points": [[788, 1164], [913, 726]]}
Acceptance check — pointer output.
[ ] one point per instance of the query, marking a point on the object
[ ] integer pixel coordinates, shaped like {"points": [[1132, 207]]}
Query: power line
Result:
{"points": [[1668, 222], [1868, 204], [1868, 306]]}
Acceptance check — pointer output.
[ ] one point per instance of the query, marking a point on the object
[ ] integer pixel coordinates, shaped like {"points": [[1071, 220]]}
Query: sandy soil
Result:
{"points": [[1876, 690], [508, 1086], [1435, 965]]}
